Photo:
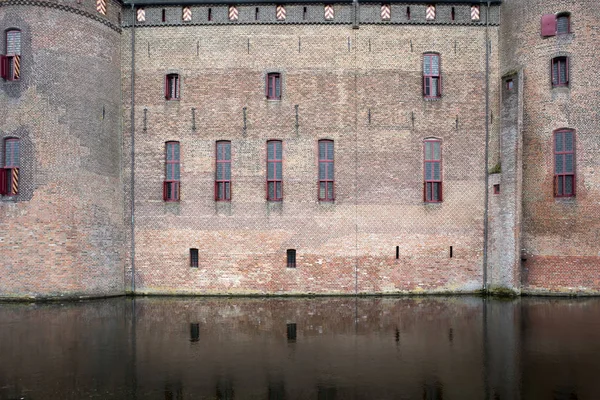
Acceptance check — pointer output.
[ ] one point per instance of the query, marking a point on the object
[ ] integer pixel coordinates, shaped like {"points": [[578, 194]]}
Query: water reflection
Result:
{"points": [[279, 348]]}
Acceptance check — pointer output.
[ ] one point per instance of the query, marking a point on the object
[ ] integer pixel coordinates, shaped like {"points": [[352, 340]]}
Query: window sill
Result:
{"points": [[432, 98]]}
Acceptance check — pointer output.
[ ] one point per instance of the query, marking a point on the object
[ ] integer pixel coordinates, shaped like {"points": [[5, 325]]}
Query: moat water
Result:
{"points": [[284, 348]]}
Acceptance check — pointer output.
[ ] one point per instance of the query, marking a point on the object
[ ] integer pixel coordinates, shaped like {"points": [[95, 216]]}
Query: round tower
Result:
{"points": [[61, 209], [550, 48]]}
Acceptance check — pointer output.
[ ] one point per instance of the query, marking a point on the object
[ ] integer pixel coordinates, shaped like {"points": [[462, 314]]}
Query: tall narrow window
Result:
{"points": [[172, 87], [432, 83], [223, 176], [326, 181], [172, 172], [560, 71], [273, 86], [408, 13], [10, 64], [194, 258], [9, 178], [564, 163], [291, 258], [433, 171], [274, 171]]}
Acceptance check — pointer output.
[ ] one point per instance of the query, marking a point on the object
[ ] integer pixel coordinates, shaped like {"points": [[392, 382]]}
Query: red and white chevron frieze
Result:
{"points": [[233, 13], [329, 12], [141, 15], [474, 13], [187, 14], [386, 12], [101, 6], [430, 15], [280, 14]]}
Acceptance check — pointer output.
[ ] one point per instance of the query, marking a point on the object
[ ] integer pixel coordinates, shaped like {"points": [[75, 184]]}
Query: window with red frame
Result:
{"points": [[433, 171], [326, 180], [10, 63], [432, 82], [9, 178], [273, 86], [564, 163], [274, 171], [223, 175], [560, 71], [172, 171], [172, 87]]}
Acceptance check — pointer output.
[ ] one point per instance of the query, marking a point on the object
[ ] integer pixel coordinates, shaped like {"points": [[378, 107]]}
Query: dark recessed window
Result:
{"points": [[210, 14], [9, 176], [223, 173], [10, 63], [509, 84], [304, 13], [164, 15], [560, 71], [172, 172], [452, 14], [172, 87], [194, 332], [274, 170], [273, 86], [564, 163], [432, 82], [432, 191], [194, 258], [291, 332], [326, 175], [291, 258], [497, 188], [408, 13], [256, 13], [563, 24]]}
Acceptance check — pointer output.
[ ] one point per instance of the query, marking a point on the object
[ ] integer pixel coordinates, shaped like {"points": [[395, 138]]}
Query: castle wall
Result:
{"points": [[361, 88], [61, 236], [560, 235]]}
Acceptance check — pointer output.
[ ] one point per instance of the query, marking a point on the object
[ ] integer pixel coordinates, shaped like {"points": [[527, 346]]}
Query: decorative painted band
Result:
{"points": [[62, 7]]}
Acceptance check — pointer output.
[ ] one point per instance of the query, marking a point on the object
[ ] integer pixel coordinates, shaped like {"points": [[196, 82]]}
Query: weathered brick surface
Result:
{"points": [[62, 235], [560, 236], [337, 77]]}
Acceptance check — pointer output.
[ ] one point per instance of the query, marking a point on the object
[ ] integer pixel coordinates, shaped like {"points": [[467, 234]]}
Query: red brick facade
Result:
{"points": [[362, 89]]}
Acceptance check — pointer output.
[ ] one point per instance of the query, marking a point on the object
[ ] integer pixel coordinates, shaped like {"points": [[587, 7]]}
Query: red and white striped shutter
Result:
{"points": [[186, 14], [329, 14], [14, 181], [141, 15], [16, 67], [280, 13], [430, 14], [101, 6], [548, 25], [475, 13], [233, 13], [386, 12]]}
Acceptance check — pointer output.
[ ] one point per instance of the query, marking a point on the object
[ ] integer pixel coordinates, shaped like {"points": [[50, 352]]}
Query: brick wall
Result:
{"points": [[361, 88], [62, 234], [560, 235]]}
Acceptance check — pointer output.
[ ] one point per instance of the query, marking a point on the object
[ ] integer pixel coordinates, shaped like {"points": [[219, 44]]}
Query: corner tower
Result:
{"points": [[61, 211]]}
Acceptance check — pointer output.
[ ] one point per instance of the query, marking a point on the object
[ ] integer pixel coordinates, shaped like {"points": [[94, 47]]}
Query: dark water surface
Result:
{"points": [[280, 348]]}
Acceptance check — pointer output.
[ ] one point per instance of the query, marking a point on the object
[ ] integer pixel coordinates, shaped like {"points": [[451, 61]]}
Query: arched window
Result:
{"points": [[10, 63], [172, 172], [9, 178], [274, 170], [564, 163], [326, 176], [432, 186], [223, 174]]}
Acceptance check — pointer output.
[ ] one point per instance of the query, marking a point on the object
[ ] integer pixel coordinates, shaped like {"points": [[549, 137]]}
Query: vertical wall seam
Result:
{"points": [[132, 122], [487, 145]]}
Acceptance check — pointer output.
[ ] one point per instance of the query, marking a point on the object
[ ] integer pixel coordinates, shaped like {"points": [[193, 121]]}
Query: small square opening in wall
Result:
{"points": [[291, 258], [509, 84], [497, 188]]}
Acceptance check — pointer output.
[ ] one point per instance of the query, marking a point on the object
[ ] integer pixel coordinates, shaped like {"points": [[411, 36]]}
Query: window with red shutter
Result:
{"points": [[432, 166], [171, 184], [223, 171], [172, 87], [563, 24], [10, 172], [564, 163], [273, 86], [10, 64], [548, 25]]}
